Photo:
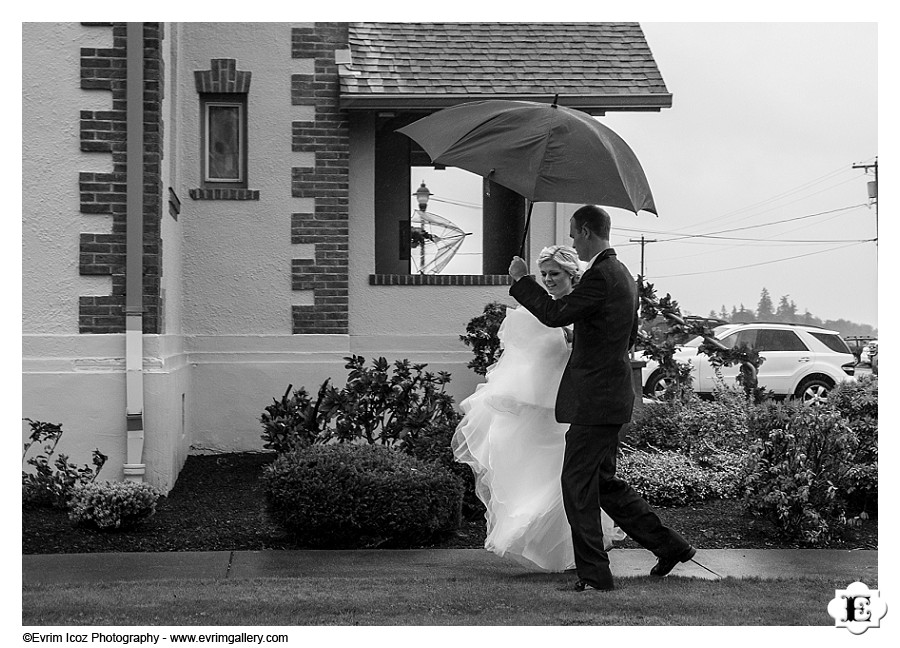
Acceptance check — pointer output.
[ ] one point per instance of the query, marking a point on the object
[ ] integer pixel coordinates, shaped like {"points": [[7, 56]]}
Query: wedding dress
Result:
{"points": [[510, 438]]}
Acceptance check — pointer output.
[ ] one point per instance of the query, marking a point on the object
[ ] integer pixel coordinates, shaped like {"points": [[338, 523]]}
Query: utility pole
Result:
{"points": [[872, 190], [643, 242]]}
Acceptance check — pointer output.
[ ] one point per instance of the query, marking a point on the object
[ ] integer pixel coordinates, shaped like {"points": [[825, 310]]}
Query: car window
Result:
{"points": [[747, 337], [832, 341], [779, 340]]}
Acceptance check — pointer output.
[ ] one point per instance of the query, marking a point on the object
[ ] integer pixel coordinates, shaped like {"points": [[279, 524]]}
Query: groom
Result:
{"points": [[596, 398]]}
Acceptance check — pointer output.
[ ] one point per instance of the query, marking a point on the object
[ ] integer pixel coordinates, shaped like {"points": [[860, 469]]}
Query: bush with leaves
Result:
{"points": [[292, 422], [379, 404], [482, 336], [713, 426], [434, 447], [361, 495], [796, 469], [54, 479], [669, 478], [655, 426], [857, 402], [388, 406], [113, 505]]}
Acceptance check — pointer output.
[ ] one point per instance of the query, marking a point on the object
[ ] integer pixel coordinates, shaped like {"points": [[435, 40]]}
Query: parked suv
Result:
{"points": [[801, 361]]}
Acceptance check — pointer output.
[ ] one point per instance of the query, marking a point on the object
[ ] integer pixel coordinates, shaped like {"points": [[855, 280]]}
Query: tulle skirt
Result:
{"points": [[510, 438]]}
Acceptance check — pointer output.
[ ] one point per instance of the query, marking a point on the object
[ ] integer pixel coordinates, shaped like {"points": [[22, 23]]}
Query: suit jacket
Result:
{"points": [[596, 386]]}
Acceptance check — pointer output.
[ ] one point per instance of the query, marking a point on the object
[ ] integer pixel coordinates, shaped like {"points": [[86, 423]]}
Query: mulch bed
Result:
{"points": [[218, 504]]}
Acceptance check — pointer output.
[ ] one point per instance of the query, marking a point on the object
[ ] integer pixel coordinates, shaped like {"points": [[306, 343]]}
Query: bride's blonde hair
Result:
{"points": [[563, 255]]}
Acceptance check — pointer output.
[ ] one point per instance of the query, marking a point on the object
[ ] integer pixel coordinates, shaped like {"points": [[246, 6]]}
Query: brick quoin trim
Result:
{"points": [[104, 131], [327, 275]]}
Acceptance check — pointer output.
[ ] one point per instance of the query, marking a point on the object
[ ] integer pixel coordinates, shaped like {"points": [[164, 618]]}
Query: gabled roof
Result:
{"points": [[592, 66]]}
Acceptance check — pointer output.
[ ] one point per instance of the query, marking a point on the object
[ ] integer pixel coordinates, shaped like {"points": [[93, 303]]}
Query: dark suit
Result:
{"points": [[596, 398]]}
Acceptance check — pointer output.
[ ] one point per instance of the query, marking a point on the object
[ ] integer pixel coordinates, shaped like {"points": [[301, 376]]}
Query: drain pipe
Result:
{"points": [[134, 467]]}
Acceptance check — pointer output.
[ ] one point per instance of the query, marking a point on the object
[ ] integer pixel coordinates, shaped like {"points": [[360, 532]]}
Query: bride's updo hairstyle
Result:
{"points": [[563, 255]]}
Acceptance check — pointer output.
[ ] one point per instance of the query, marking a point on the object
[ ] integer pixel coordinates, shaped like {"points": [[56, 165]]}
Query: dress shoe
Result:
{"points": [[583, 586], [664, 565]]}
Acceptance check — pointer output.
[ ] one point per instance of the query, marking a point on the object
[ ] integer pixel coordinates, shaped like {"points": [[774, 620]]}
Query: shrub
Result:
{"points": [[857, 402], [361, 495], [434, 447], [293, 422], [481, 335], [52, 485], [796, 469], [668, 478], [709, 427], [377, 405], [655, 426], [113, 505], [694, 426]]}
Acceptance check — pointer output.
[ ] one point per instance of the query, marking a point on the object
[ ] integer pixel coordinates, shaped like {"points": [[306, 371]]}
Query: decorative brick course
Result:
{"points": [[104, 131], [438, 280], [327, 183], [224, 194], [222, 77]]}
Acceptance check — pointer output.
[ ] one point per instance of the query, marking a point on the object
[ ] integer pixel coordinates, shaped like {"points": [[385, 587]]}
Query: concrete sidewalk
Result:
{"points": [[441, 564]]}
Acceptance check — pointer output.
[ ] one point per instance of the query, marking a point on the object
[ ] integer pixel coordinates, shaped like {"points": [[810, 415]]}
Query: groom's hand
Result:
{"points": [[518, 268]]}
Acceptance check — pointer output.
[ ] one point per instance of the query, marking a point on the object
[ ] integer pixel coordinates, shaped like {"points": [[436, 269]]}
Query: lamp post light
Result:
{"points": [[422, 195]]}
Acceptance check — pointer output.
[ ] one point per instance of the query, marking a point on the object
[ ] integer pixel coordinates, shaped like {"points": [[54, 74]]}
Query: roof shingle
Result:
{"points": [[598, 65]]}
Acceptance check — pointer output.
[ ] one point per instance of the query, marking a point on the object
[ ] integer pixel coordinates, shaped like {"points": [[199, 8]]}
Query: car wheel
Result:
{"points": [[657, 385], [814, 391]]}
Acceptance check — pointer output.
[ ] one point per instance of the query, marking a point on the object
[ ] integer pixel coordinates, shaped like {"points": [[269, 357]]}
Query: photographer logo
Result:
{"points": [[857, 608]]}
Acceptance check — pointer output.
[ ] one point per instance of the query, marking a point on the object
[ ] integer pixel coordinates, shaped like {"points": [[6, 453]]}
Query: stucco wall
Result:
{"points": [[226, 347], [237, 254], [78, 380], [51, 160]]}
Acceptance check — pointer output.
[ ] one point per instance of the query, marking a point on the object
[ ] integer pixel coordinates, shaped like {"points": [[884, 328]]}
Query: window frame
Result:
{"points": [[210, 100]]}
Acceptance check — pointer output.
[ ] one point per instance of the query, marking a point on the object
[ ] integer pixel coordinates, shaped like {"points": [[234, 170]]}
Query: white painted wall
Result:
{"points": [[51, 160], [236, 255], [65, 376], [226, 348], [69, 378]]}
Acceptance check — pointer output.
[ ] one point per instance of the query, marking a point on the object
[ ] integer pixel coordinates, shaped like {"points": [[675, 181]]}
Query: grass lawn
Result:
{"points": [[418, 601]]}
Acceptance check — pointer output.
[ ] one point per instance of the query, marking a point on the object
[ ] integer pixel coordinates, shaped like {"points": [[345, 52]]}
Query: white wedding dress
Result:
{"points": [[510, 438]]}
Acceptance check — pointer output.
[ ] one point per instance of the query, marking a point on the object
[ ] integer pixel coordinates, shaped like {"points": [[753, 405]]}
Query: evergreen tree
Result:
{"points": [[723, 314], [764, 310], [742, 316], [787, 310]]}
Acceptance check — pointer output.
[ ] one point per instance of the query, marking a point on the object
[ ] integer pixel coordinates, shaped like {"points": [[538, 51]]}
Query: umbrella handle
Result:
{"points": [[525, 233]]}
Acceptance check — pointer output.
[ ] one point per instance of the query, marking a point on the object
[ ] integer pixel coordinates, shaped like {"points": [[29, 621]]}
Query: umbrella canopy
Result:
{"points": [[543, 152]]}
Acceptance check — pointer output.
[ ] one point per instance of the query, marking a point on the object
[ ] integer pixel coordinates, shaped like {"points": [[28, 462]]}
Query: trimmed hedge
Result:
{"points": [[113, 505], [360, 495]]}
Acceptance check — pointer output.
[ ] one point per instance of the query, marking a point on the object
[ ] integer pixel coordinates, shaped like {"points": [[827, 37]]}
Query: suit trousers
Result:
{"points": [[589, 483]]}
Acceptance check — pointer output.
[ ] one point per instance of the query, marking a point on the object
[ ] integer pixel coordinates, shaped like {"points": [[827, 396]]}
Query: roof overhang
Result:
{"points": [[591, 104]]}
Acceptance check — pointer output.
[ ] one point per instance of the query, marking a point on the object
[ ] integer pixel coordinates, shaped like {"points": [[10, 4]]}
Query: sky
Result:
{"points": [[767, 121]]}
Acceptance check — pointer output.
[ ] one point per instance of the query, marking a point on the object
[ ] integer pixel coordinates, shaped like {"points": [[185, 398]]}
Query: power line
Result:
{"points": [[719, 248], [783, 194], [753, 265], [678, 236]]}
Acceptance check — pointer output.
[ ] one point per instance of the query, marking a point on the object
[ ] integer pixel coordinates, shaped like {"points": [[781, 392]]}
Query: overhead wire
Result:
{"points": [[754, 265]]}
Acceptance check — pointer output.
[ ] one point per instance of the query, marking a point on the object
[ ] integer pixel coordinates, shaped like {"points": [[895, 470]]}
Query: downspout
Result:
{"points": [[134, 467]]}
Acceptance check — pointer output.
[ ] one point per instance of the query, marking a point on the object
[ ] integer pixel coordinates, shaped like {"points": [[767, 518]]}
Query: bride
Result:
{"points": [[510, 438]]}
